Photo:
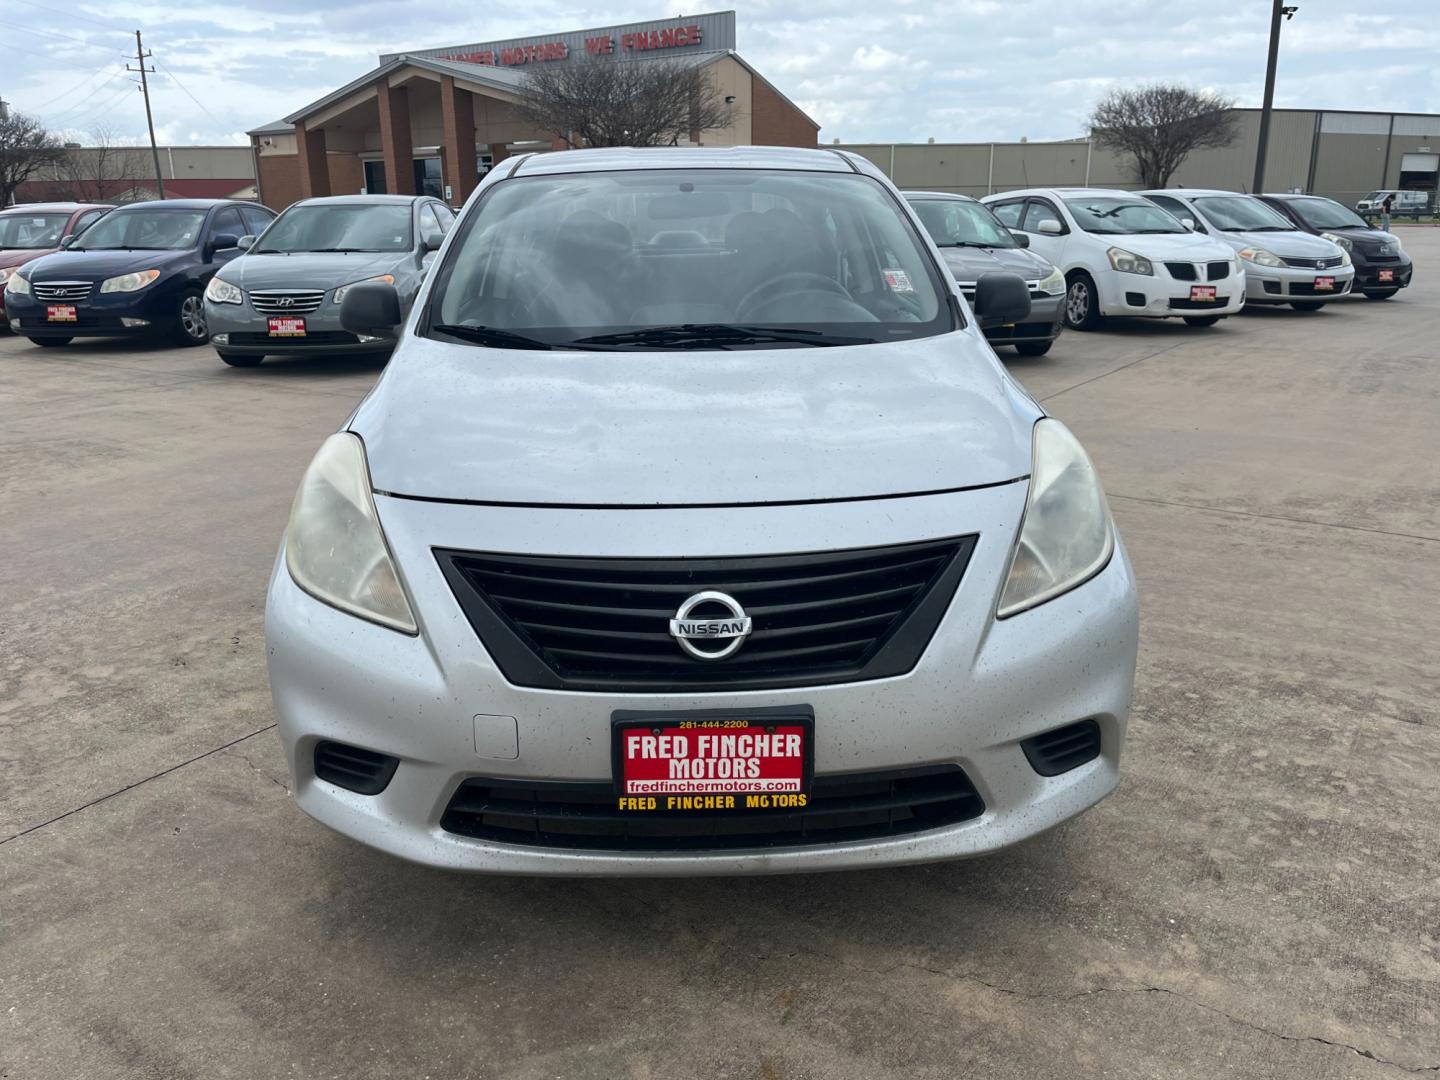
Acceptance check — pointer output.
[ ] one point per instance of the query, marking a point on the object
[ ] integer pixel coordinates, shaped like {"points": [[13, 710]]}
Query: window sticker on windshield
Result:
{"points": [[898, 280], [37, 221]]}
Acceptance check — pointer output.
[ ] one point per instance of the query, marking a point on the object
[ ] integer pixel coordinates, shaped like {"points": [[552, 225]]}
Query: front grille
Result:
{"points": [[1199, 305], [95, 324], [66, 291], [1383, 258], [354, 769], [845, 806], [1307, 288], [1315, 264], [287, 301], [310, 337], [603, 624], [1217, 271], [1181, 271], [968, 288], [1063, 749]]}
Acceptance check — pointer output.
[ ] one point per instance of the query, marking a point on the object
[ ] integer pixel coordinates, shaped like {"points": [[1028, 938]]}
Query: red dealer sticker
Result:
{"points": [[1387, 275], [1324, 284], [712, 762], [1203, 293], [61, 313]]}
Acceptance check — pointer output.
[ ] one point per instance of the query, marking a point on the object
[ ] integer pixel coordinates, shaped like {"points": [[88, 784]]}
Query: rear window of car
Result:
{"points": [[829, 258]]}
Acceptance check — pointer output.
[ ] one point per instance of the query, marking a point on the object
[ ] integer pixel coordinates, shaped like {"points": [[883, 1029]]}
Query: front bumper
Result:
{"points": [[980, 687], [137, 314], [238, 328], [1047, 319], [1161, 296], [1283, 284], [1367, 272]]}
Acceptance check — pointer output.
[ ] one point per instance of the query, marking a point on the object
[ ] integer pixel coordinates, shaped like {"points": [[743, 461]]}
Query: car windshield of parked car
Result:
{"points": [[19, 231], [692, 258], [1328, 214], [1121, 216], [153, 228], [356, 227], [960, 223], [1236, 213]]}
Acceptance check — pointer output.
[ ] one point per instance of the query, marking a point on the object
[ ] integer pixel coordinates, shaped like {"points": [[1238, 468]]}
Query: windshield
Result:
{"points": [[150, 228], [696, 259], [1328, 214], [1121, 216], [960, 223], [1237, 213], [356, 227], [32, 230]]}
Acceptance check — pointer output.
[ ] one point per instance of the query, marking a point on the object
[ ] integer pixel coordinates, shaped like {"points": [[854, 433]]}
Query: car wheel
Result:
{"points": [[1202, 320], [1082, 307], [1307, 305], [240, 359], [1033, 348], [1380, 294], [51, 342], [190, 328]]}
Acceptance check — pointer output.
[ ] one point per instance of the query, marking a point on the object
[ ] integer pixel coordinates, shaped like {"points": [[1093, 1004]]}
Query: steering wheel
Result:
{"points": [[786, 285]]}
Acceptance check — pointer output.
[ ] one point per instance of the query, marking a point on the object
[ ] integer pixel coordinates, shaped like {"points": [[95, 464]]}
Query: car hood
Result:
{"points": [[314, 270], [21, 256], [1366, 239], [968, 263], [98, 265], [1193, 247], [1297, 244], [462, 423]]}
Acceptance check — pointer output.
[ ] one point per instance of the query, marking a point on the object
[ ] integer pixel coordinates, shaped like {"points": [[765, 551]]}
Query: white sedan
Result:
{"points": [[1122, 255]]}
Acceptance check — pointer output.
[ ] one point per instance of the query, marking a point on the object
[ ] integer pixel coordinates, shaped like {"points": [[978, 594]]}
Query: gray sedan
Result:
{"points": [[282, 297]]}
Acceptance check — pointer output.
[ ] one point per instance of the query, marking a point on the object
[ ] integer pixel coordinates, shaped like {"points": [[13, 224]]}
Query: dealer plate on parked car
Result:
{"points": [[1387, 275], [1324, 284], [713, 764], [286, 326], [1204, 293], [60, 313]]}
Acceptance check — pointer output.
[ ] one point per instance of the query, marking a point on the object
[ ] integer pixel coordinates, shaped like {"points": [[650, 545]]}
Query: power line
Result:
{"points": [[171, 75], [54, 34], [72, 14], [140, 57], [83, 117], [81, 102], [76, 86]]}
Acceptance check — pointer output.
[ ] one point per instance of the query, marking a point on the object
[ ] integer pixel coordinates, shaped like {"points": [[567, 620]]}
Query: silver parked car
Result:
{"points": [[1283, 264], [693, 528], [282, 297]]}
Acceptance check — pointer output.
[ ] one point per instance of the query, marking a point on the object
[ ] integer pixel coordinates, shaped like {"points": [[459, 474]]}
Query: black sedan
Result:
{"points": [[140, 271], [1381, 268]]}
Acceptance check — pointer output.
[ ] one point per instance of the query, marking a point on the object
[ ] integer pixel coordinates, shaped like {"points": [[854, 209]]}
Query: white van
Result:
{"points": [[1403, 203]]}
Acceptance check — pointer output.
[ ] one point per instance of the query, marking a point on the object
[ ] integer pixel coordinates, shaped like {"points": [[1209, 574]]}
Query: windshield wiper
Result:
{"points": [[268, 251], [971, 243], [721, 335], [490, 335], [347, 251]]}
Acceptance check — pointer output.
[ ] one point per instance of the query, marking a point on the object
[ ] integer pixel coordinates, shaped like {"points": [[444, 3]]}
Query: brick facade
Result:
{"points": [[775, 122]]}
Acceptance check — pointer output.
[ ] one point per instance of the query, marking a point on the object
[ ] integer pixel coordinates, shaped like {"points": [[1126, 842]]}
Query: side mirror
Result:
{"points": [[67, 240], [1050, 227], [1188, 222], [1020, 238], [246, 242], [371, 308], [999, 299], [224, 242], [431, 242]]}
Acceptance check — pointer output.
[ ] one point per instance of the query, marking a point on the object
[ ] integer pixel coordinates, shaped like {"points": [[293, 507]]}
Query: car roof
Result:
{"points": [[191, 204], [1288, 196], [1068, 192], [53, 207], [1194, 192], [375, 200], [938, 195], [619, 158]]}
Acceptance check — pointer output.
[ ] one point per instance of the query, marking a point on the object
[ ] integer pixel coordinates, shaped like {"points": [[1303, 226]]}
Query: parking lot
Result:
{"points": [[1261, 897]]}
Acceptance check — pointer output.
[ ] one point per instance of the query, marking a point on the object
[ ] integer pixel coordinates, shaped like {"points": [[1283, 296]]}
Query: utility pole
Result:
{"points": [[1278, 11], [140, 56]]}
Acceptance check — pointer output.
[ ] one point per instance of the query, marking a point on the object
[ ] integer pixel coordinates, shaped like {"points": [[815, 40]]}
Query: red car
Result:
{"points": [[35, 229]]}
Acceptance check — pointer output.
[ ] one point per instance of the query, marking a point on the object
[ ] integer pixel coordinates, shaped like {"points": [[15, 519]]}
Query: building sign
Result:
{"points": [[674, 37], [519, 54]]}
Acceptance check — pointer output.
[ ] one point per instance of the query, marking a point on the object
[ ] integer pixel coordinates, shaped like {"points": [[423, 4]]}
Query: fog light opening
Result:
{"points": [[124, 321], [220, 339]]}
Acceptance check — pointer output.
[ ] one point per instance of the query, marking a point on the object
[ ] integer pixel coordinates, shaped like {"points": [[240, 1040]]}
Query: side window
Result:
{"points": [[1009, 213], [445, 214], [1175, 208], [1038, 210], [85, 220], [229, 221], [255, 219]]}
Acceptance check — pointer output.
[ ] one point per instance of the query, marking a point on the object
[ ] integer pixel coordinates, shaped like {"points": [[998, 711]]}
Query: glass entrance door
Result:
{"points": [[375, 178]]}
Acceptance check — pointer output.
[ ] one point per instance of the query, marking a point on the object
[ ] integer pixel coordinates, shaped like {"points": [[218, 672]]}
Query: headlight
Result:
{"points": [[1336, 238], [15, 283], [1396, 240], [1344, 257], [222, 292], [1261, 257], [5, 273], [387, 279], [1053, 283], [1127, 262], [334, 548], [1066, 536], [129, 282]]}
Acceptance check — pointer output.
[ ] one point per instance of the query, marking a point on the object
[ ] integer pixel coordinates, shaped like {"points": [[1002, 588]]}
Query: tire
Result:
{"points": [[1380, 294], [1202, 320], [51, 342], [1082, 308], [190, 328], [1307, 305], [239, 359], [1033, 348]]}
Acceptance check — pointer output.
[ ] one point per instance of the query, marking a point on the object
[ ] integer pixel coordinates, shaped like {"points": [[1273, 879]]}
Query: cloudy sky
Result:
{"points": [[901, 71]]}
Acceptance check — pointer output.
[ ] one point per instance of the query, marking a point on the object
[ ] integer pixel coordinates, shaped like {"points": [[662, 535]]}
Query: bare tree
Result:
{"points": [[623, 103], [1158, 126], [25, 149], [101, 171]]}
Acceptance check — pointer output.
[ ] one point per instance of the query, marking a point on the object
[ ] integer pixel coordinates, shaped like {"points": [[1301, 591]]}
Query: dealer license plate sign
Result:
{"points": [[60, 313], [713, 763], [1324, 284], [1203, 293], [287, 326], [1387, 275]]}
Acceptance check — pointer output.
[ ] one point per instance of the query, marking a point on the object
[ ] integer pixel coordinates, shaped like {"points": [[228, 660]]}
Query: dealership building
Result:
{"points": [[433, 121]]}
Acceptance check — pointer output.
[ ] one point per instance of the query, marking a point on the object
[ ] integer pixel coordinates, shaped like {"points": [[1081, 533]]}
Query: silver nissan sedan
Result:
{"points": [[694, 528]]}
